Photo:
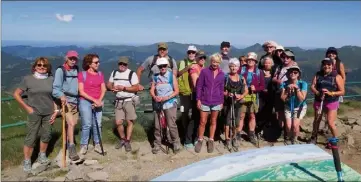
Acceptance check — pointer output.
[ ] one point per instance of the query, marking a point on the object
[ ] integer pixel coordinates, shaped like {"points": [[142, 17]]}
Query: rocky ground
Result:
{"points": [[141, 164]]}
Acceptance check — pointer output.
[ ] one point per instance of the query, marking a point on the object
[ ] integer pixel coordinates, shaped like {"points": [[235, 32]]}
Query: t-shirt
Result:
{"points": [[155, 68], [302, 85], [92, 84], [124, 82], [39, 93]]}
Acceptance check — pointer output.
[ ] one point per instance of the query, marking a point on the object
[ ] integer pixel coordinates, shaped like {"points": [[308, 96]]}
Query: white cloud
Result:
{"points": [[64, 18], [176, 17]]}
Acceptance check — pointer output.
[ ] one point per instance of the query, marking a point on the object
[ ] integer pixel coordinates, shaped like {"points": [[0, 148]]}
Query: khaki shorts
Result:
{"points": [[125, 110], [249, 107], [71, 113], [298, 113]]}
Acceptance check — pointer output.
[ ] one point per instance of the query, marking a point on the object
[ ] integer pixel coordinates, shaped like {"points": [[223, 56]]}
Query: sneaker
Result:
{"points": [[210, 146], [83, 149], [98, 149], [27, 166], [120, 144], [72, 153], [198, 146], [313, 140], [42, 159], [155, 149], [127, 146], [189, 146]]}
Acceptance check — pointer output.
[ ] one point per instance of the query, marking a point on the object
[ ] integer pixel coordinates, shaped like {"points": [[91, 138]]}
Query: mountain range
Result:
{"points": [[17, 59]]}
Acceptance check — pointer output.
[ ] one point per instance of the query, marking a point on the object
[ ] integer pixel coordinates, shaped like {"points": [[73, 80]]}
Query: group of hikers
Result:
{"points": [[228, 90]]}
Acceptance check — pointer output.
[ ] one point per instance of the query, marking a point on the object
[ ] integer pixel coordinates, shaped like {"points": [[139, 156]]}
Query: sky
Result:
{"points": [[289, 23]]}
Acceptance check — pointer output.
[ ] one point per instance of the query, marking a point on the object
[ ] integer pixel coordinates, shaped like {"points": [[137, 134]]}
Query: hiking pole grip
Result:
{"points": [[64, 135], [336, 157]]}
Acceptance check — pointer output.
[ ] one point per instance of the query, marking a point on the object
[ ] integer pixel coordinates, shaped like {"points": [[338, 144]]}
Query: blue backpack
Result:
{"points": [[243, 70], [155, 78]]}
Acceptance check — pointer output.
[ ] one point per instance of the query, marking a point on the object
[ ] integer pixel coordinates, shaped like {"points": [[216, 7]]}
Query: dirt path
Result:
{"points": [[142, 165]]}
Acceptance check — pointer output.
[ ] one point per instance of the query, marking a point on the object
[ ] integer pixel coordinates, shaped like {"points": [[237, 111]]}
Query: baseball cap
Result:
{"points": [[72, 54], [327, 60], [289, 53], [123, 59], [279, 47], [162, 45], [225, 44], [331, 49], [252, 55], [192, 48], [161, 61], [294, 67], [201, 54]]}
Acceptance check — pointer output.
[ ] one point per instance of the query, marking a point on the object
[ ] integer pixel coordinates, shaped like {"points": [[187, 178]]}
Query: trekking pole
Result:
{"points": [[292, 100], [336, 157], [64, 134], [99, 135], [257, 134]]}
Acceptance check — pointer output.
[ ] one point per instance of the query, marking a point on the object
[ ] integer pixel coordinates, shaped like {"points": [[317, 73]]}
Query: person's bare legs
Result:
{"points": [[212, 128], [201, 129], [331, 116]]}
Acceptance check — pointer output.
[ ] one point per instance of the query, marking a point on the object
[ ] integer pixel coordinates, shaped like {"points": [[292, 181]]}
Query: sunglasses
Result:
{"points": [[279, 51], [42, 65], [191, 52], [73, 58], [162, 66], [294, 72], [122, 64], [162, 49], [97, 62], [203, 57]]}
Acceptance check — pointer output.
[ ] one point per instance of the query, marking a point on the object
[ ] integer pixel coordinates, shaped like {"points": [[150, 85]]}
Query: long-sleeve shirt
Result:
{"points": [[69, 87], [209, 89]]}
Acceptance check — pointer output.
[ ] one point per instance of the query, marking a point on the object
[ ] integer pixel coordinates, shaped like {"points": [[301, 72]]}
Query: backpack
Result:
{"points": [[155, 57], [68, 76], [129, 76], [84, 74], [243, 70], [155, 77]]}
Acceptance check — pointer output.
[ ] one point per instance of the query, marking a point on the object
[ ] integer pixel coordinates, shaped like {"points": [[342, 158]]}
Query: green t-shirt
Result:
{"points": [[39, 93], [183, 81]]}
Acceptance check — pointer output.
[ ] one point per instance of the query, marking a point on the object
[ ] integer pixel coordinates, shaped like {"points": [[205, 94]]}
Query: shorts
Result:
{"points": [[299, 113], [125, 110], [237, 115], [71, 113], [329, 105], [249, 107], [205, 108], [37, 125]]}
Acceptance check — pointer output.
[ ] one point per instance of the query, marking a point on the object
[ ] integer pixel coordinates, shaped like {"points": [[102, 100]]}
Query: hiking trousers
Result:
{"points": [[170, 116]]}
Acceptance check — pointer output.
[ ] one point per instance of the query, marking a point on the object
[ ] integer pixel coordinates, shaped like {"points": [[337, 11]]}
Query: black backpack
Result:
{"points": [[155, 57], [68, 76], [129, 76]]}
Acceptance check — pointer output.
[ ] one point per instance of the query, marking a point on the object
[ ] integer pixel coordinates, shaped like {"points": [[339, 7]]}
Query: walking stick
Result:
{"points": [[292, 100], [99, 135], [64, 135], [336, 157]]}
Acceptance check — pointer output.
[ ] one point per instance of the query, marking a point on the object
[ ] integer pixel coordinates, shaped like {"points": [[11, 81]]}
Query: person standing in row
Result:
{"points": [[124, 83], [225, 53], [210, 98], [40, 107], [92, 90]]}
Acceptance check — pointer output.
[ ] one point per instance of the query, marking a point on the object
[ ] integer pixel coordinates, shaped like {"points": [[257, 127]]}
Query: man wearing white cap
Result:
{"points": [[185, 94]]}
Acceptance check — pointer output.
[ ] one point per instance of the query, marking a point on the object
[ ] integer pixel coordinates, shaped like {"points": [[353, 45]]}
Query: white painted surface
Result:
{"points": [[229, 165]]}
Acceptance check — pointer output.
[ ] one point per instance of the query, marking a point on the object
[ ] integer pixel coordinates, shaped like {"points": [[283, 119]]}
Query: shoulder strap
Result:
{"points": [[338, 63], [130, 76], [227, 78], [243, 70], [170, 59], [63, 70], [114, 72], [171, 78], [84, 75]]}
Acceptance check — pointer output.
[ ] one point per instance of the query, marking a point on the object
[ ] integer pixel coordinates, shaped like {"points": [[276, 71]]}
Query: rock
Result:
{"points": [[37, 168], [350, 140], [75, 174], [90, 162], [96, 167], [306, 128], [343, 152], [341, 129], [135, 178], [358, 122], [59, 159], [356, 128], [59, 178], [98, 176], [36, 178]]}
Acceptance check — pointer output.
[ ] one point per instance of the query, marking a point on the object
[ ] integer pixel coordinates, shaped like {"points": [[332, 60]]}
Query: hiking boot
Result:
{"points": [[239, 136], [98, 149], [313, 140], [189, 146], [287, 142], [42, 159], [155, 149], [198, 146], [252, 139], [83, 149], [27, 166], [228, 144], [72, 153], [210, 146], [234, 142], [120, 144], [127, 146], [176, 148]]}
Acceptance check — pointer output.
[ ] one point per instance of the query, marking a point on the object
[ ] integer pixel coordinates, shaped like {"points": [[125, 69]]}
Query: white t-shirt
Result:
{"points": [[124, 82]]}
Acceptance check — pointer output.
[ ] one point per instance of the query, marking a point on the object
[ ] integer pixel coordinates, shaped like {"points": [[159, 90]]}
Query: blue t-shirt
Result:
{"points": [[302, 85], [249, 78]]}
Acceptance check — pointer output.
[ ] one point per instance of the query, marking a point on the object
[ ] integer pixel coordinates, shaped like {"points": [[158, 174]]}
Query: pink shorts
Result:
{"points": [[329, 105]]}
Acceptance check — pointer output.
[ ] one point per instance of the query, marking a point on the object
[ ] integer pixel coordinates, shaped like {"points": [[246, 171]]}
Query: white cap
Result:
{"points": [[234, 61], [192, 48], [279, 47], [252, 55], [161, 61]]}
